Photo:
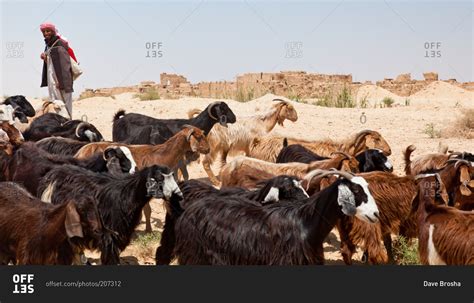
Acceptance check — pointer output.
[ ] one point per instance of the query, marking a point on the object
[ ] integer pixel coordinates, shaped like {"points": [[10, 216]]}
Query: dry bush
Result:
{"points": [[463, 127]]}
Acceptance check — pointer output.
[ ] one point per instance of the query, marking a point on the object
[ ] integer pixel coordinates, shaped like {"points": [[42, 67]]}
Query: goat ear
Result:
{"points": [[464, 177], [464, 174], [73, 222], [370, 141], [346, 199], [272, 195], [189, 134], [109, 152]]}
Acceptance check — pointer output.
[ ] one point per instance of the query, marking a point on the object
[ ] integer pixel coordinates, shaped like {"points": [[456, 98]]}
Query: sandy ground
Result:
{"points": [[400, 126]]}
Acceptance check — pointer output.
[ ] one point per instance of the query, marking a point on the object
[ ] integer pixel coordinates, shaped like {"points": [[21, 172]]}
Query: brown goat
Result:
{"points": [[428, 162], [461, 196], [464, 202], [445, 234], [35, 232], [394, 197], [169, 153], [268, 148], [242, 170]]}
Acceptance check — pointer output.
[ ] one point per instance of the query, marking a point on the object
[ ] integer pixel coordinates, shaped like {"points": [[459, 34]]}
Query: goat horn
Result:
{"points": [[188, 137], [279, 100], [341, 153], [210, 107], [458, 162], [320, 173], [79, 126], [361, 135]]}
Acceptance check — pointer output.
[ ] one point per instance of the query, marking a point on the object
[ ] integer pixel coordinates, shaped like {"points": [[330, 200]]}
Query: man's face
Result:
{"points": [[47, 33]]}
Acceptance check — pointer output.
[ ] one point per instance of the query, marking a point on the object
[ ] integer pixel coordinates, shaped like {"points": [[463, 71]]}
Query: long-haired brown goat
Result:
{"points": [[35, 232], [268, 148], [445, 234]]}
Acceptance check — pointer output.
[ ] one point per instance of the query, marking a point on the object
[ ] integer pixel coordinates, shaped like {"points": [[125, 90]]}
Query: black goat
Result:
{"points": [[369, 160], [21, 103], [276, 189], [149, 134], [52, 124], [29, 164], [235, 231], [373, 160], [60, 146], [297, 153], [120, 199], [130, 125]]}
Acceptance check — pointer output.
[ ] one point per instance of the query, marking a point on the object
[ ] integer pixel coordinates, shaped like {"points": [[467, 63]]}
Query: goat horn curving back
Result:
{"points": [[459, 162], [210, 107], [342, 153], [79, 126], [280, 100], [320, 173]]}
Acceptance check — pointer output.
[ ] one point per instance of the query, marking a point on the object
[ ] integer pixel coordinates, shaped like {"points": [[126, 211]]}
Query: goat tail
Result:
{"points": [[193, 112], [109, 252], [407, 155], [119, 115]]}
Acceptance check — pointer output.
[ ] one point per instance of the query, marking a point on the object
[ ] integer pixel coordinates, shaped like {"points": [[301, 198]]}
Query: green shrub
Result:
{"points": [[406, 252], [431, 131], [342, 100], [151, 94], [388, 102]]}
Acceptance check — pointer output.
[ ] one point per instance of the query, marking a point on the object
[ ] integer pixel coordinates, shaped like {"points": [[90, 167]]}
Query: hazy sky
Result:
{"points": [[216, 40]]}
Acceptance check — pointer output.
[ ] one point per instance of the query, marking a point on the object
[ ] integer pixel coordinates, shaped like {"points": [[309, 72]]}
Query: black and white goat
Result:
{"points": [[277, 189], [29, 164], [120, 199], [234, 231], [52, 124]]}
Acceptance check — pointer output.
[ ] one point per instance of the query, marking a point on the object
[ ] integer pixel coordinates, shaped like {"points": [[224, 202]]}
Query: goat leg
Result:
{"points": [[348, 248], [147, 213], [165, 252], [206, 164], [387, 242]]}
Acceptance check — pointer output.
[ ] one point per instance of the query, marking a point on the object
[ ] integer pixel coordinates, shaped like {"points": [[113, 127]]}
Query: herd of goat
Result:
{"points": [[65, 190]]}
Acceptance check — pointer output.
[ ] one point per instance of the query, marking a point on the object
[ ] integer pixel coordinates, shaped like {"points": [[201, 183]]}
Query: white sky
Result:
{"points": [[216, 40]]}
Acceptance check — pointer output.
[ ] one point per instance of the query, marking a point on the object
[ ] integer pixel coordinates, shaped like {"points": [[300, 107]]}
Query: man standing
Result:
{"points": [[57, 72]]}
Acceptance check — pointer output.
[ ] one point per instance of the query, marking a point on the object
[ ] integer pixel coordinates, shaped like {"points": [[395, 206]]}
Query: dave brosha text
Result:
{"points": [[441, 284]]}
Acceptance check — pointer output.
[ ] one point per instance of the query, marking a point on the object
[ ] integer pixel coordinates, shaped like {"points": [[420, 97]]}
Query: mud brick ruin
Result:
{"points": [[292, 84]]}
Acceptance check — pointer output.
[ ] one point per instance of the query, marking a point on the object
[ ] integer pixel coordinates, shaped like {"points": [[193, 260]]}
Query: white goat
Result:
{"points": [[236, 137]]}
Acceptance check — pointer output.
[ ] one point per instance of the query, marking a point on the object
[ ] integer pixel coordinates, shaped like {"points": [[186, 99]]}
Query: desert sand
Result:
{"points": [[440, 104]]}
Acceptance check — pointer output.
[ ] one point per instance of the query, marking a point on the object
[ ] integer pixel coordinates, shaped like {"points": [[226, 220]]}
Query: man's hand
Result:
{"points": [[43, 56]]}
